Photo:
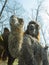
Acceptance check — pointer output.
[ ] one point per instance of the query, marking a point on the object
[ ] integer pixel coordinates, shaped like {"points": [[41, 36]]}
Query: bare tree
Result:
{"points": [[38, 9], [3, 7], [37, 15], [47, 12], [16, 8]]}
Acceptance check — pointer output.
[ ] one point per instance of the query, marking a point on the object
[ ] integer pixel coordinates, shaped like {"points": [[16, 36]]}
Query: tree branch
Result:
{"points": [[37, 18], [3, 8]]}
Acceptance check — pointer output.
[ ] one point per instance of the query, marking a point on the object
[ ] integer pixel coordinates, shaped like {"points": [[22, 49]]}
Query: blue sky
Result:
{"points": [[28, 5]]}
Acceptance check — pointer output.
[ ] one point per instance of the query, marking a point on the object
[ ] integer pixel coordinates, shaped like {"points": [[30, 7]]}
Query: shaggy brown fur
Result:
{"points": [[32, 53], [15, 37]]}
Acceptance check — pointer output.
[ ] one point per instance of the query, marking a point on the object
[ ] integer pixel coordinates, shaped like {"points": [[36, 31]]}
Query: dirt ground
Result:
{"points": [[5, 62], [15, 62]]}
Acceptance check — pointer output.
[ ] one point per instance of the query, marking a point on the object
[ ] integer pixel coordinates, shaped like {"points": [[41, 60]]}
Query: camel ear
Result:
{"points": [[21, 21], [38, 36], [46, 47], [1, 38]]}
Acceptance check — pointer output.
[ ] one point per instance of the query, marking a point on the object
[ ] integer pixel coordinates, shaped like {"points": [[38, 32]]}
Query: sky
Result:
{"points": [[31, 5], [28, 5]]}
